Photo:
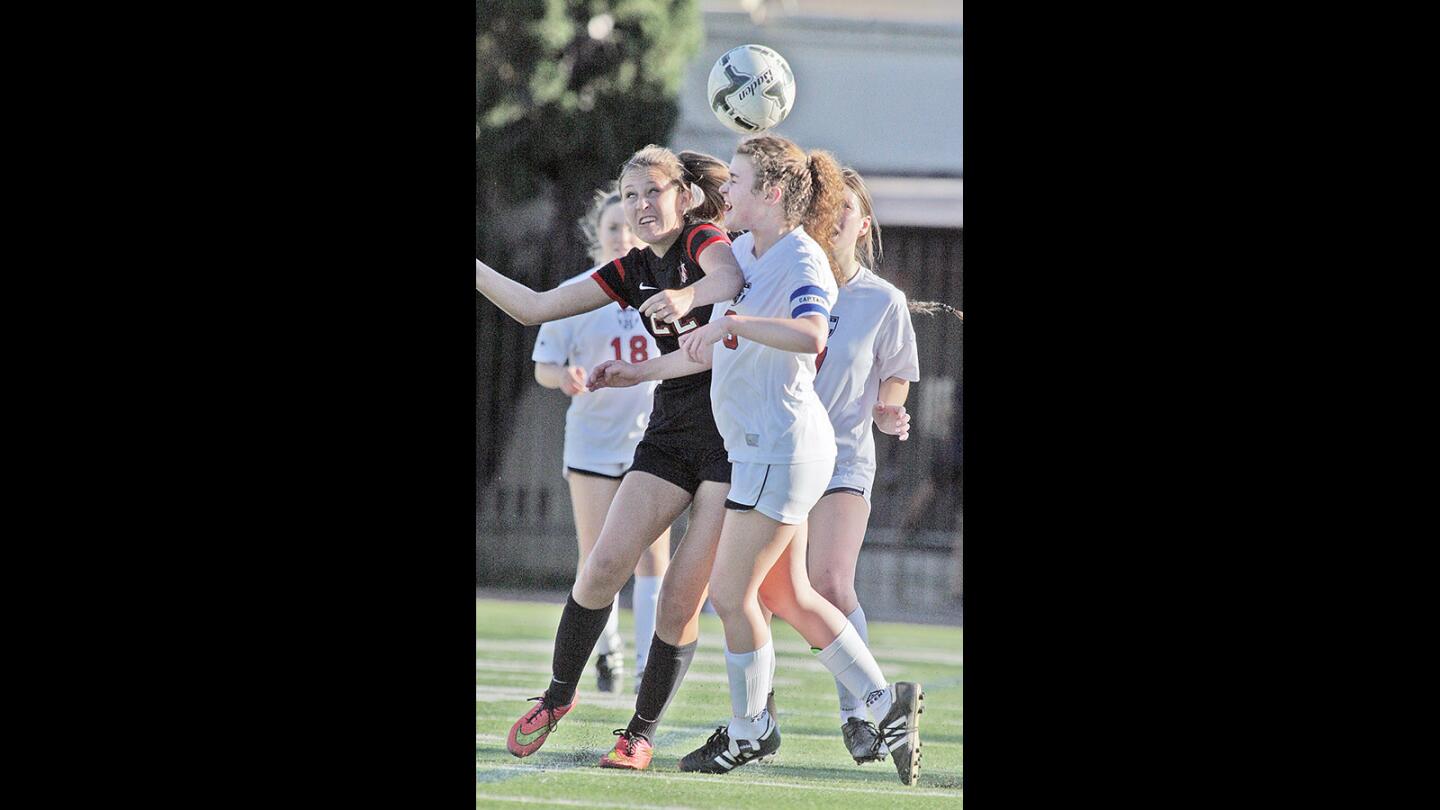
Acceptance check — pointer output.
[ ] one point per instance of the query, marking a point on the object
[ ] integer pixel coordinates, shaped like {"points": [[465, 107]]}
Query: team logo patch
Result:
{"points": [[684, 277], [630, 318], [834, 320], [743, 292]]}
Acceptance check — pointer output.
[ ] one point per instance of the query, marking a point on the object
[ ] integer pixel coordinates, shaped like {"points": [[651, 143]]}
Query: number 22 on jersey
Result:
{"points": [[676, 329]]}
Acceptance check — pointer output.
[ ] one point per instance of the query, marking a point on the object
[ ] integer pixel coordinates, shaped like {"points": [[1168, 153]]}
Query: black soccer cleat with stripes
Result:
{"points": [[900, 730], [720, 754], [863, 741], [609, 669]]}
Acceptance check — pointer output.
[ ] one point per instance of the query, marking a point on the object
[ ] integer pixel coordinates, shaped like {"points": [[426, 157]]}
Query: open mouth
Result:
{"points": [[646, 221]]}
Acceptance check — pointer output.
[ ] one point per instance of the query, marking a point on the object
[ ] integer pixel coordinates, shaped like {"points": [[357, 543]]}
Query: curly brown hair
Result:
{"points": [[705, 171], [814, 190]]}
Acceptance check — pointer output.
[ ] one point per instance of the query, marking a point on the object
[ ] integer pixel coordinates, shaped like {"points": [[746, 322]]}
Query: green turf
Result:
{"points": [[812, 769]]}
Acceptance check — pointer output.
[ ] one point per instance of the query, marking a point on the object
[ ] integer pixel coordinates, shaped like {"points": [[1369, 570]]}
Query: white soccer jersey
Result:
{"points": [[601, 427], [763, 398], [871, 340]]}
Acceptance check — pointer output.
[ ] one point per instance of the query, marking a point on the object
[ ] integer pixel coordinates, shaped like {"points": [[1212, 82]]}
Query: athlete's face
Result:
{"points": [[616, 238], [652, 204], [743, 205], [853, 223]]}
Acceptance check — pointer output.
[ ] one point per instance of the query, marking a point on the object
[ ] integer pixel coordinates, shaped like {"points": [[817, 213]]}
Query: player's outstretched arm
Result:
{"points": [[569, 379], [530, 307], [619, 374], [806, 334], [722, 282]]}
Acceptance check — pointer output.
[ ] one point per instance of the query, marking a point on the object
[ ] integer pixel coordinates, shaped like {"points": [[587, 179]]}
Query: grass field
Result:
{"points": [[812, 769]]}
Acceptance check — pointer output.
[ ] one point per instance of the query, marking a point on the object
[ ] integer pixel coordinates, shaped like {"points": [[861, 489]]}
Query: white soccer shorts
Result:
{"points": [[783, 492]]}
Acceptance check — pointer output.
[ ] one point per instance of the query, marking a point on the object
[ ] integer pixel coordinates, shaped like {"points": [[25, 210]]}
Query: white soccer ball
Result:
{"points": [[751, 88]]}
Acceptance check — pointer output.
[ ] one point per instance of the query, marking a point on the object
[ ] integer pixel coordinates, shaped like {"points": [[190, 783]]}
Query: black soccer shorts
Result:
{"points": [[683, 467]]}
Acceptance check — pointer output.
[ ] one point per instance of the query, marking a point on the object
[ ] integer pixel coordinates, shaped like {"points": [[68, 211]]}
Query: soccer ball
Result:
{"points": [[751, 89]]}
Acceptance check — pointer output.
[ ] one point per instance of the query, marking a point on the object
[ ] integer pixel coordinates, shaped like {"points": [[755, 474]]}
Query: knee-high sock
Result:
{"points": [[750, 677], [665, 668], [850, 661], [851, 704], [579, 628], [610, 639], [647, 598]]}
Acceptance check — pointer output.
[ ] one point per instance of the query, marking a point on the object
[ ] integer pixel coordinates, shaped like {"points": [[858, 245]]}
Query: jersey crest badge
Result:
{"points": [[684, 276], [834, 321]]}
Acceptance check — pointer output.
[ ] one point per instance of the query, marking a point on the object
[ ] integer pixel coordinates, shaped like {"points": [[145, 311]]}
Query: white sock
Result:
{"points": [[851, 704], [610, 639], [750, 677], [647, 597], [850, 661], [771, 645]]}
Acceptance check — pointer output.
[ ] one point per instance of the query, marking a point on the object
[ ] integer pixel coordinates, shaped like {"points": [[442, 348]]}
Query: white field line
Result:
{"points": [[731, 778], [717, 648], [543, 682], [701, 670], [574, 803], [698, 732], [543, 669]]}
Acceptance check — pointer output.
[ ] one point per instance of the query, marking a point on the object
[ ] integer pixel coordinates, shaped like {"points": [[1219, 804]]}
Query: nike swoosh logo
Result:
{"points": [[526, 739], [644, 286]]}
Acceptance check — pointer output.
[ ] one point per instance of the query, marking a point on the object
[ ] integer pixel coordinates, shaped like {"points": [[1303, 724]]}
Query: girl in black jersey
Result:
{"points": [[670, 202]]}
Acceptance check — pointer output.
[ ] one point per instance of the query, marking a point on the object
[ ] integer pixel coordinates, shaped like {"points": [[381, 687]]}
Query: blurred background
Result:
{"points": [[566, 90]]}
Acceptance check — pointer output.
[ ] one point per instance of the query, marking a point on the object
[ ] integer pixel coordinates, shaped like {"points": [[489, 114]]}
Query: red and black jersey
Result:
{"points": [[682, 404]]}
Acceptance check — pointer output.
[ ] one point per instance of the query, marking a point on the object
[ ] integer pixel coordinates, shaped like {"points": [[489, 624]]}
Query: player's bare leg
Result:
{"points": [[590, 498], [649, 576], [894, 708], [644, 506], [838, 524], [677, 627], [750, 544]]}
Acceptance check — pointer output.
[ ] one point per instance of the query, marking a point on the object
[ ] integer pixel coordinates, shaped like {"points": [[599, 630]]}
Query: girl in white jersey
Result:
{"points": [[782, 449], [862, 377], [602, 428]]}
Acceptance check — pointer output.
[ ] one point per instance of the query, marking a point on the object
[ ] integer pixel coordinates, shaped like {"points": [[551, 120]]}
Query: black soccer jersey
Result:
{"points": [[682, 404]]}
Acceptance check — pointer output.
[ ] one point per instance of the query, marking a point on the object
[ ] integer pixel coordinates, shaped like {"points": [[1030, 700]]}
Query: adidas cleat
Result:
{"points": [[720, 754], [631, 753], [532, 729], [608, 671], [863, 741], [900, 730]]}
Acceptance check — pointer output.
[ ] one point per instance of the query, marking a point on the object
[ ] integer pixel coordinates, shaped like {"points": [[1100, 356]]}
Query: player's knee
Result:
{"points": [[834, 588], [604, 571], [728, 599]]}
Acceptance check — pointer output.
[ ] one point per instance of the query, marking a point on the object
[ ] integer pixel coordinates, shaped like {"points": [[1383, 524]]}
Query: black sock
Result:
{"points": [[664, 670], [580, 628]]}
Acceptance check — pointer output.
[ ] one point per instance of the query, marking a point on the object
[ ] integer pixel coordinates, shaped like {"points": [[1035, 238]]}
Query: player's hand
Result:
{"points": [[669, 305], [892, 419], [695, 341], [573, 382], [614, 374]]}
